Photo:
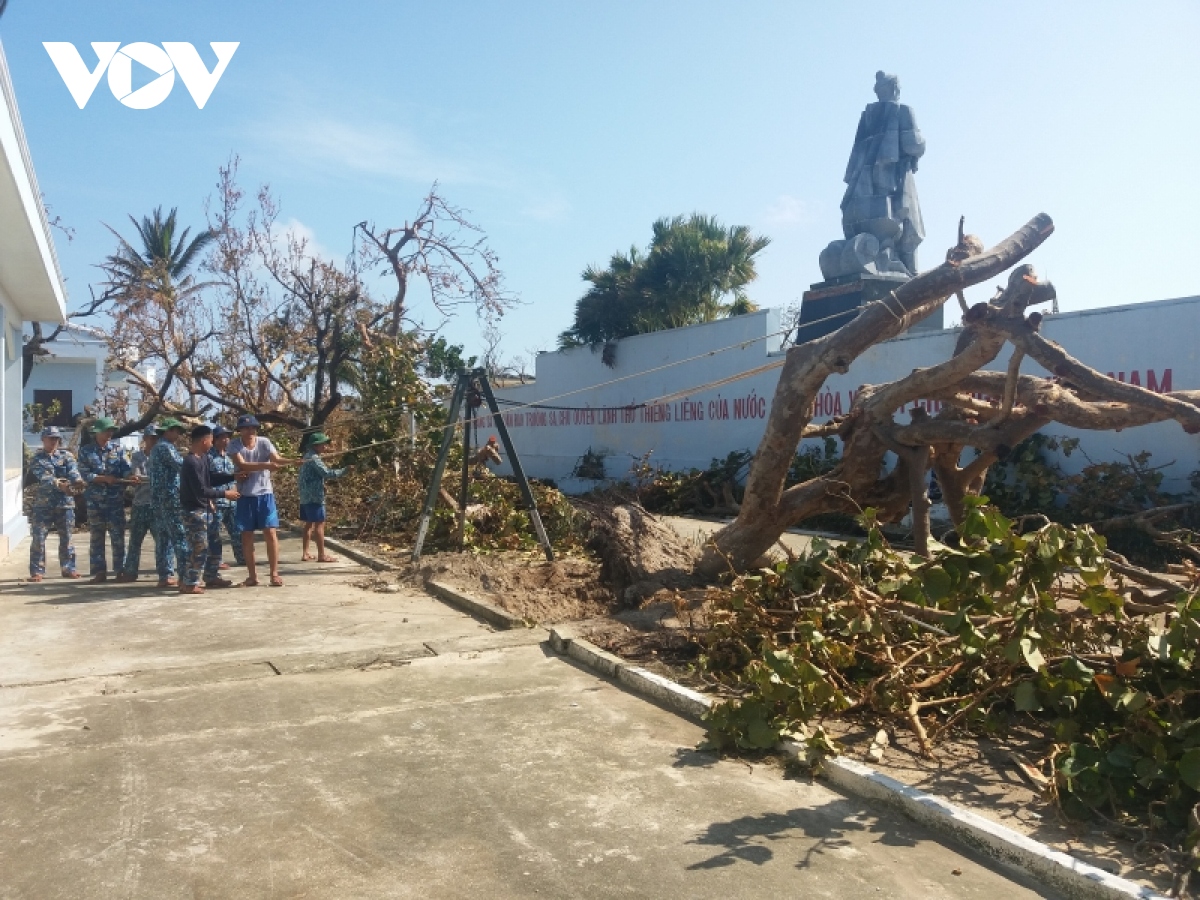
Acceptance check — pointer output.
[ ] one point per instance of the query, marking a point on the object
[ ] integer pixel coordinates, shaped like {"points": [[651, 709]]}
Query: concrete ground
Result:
{"points": [[323, 740]]}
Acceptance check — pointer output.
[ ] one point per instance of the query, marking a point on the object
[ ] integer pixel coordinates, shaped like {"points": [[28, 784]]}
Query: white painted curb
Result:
{"points": [[363, 559], [1060, 871], [481, 609]]}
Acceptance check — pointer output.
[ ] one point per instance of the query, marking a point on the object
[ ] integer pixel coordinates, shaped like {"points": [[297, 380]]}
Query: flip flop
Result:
{"points": [[328, 559], [276, 581], [249, 582]]}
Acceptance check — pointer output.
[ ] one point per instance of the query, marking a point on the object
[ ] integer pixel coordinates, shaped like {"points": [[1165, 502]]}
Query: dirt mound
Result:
{"points": [[547, 592]]}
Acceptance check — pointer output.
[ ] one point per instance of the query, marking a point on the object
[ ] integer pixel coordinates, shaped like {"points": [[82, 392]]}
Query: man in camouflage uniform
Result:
{"points": [[104, 466], [163, 469], [141, 515], [55, 473], [221, 463]]}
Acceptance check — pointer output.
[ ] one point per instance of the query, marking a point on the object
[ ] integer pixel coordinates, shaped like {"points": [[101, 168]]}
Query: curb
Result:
{"points": [[480, 609], [349, 552], [1057, 870]]}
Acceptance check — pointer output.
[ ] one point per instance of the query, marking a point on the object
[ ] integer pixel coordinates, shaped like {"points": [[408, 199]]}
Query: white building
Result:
{"points": [[31, 289], [71, 372]]}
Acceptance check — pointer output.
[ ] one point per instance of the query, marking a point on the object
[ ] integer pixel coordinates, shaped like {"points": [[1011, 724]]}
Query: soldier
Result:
{"points": [[221, 463], [163, 468], [196, 496], [104, 467], [56, 475], [141, 514]]}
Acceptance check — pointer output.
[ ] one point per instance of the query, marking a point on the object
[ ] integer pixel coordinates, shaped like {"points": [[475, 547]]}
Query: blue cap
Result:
{"points": [[150, 431], [247, 422], [221, 431], [51, 431]]}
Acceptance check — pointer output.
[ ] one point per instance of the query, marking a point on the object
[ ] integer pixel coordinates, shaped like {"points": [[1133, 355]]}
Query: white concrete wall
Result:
{"points": [[1152, 344]]}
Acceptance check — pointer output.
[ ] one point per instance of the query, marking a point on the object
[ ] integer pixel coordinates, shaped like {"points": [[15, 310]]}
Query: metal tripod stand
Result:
{"points": [[470, 392]]}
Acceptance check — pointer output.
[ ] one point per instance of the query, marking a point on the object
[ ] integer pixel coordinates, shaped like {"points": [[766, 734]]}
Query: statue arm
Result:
{"points": [[911, 143]]}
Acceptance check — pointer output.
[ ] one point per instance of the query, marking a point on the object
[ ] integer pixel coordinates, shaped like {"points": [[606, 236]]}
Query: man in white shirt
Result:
{"points": [[256, 511]]}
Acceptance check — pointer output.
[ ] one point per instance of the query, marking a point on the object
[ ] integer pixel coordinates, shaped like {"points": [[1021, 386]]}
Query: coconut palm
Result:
{"points": [[159, 270]]}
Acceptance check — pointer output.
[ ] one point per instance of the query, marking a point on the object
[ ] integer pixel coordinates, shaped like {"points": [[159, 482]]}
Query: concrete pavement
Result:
{"points": [[149, 749]]}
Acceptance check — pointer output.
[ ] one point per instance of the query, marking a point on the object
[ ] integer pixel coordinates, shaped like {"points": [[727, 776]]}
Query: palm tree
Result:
{"points": [[157, 271]]}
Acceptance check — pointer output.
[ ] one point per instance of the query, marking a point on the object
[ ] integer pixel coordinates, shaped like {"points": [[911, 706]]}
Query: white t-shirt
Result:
{"points": [[257, 483]]}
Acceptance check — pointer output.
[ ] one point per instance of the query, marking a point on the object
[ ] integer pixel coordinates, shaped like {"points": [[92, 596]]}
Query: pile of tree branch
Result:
{"points": [[1044, 628]]}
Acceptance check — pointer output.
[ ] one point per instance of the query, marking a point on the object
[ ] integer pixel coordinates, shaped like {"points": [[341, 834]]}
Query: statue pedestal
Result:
{"points": [[849, 292]]}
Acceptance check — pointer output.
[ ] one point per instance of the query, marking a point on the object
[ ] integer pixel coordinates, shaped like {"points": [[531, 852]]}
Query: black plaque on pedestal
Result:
{"points": [[828, 305]]}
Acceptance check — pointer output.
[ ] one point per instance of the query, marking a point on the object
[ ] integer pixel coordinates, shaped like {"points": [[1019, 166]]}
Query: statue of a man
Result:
{"points": [[881, 194]]}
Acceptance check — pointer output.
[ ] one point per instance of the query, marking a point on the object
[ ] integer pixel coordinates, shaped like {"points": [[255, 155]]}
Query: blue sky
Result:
{"points": [[566, 128]]}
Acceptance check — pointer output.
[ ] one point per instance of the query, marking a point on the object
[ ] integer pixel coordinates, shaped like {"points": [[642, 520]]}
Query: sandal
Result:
{"points": [[329, 557], [35, 577], [249, 582], [276, 581], [66, 574]]}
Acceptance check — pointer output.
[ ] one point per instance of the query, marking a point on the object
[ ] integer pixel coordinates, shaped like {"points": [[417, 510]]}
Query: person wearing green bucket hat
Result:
{"points": [[313, 475], [105, 468]]}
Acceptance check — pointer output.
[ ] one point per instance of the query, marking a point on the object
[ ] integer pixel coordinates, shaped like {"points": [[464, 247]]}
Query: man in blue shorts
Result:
{"points": [[258, 458]]}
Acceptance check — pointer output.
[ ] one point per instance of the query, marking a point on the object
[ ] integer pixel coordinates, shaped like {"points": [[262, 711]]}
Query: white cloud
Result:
{"points": [[295, 232], [377, 149], [788, 210]]}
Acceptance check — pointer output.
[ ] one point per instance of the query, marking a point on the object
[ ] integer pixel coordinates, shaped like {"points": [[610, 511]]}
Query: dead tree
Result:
{"points": [[444, 250], [1073, 394]]}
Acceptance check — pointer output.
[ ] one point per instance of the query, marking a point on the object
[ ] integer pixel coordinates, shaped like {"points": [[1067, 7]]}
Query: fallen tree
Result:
{"points": [[1014, 406]]}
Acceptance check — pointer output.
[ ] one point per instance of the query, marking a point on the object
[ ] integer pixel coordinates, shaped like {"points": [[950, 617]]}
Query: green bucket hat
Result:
{"points": [[319, 438], [103, 424], [168, 424]]}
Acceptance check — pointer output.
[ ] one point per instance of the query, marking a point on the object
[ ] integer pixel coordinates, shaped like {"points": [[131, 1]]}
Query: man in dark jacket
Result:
{"points": [[196, 496]]}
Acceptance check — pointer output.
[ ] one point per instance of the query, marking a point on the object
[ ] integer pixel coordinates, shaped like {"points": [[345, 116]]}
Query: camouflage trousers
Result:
{"points": [[171, 537], [41, 520], [203, 531], [141, 522], [106, 518], [227, 516]]}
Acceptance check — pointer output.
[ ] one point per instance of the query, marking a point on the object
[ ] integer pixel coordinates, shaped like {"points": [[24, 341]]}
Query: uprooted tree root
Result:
{"points": [[639, 554], [1039, 627]]}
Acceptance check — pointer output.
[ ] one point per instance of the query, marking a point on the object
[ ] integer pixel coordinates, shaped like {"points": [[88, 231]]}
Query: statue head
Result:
{"points": [[887, 87]]}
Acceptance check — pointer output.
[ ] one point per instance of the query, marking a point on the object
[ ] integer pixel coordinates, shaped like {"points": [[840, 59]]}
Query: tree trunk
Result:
{"points": [[767, 508]]}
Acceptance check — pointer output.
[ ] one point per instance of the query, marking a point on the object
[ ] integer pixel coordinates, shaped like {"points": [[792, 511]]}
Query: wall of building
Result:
{"points": [[79, 376], [1151, 344], [12, 519]]}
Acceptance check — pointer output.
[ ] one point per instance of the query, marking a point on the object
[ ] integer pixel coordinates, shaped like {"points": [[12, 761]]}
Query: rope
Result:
{"points": [[888, 306], [485, 418]]}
